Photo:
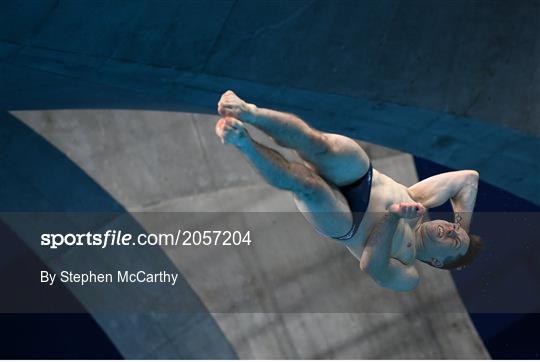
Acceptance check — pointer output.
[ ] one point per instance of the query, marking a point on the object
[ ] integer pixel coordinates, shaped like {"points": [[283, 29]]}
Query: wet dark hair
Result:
{"points": [[476, 244]]}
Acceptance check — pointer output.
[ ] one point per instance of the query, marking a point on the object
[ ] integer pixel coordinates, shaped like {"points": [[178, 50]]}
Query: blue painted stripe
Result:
{"points": [[36, 177]]}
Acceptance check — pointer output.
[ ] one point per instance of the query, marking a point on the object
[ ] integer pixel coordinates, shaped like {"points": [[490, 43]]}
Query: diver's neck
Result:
{"points": [[420, 236]]}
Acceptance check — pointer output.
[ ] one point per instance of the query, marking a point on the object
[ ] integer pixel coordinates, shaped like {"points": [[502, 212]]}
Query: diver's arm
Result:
{"points": [[460, 187], [376, 258], [463, 202]]}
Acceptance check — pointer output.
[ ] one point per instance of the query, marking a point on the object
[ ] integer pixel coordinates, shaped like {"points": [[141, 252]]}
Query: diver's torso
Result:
{"points": [[385, 192]]}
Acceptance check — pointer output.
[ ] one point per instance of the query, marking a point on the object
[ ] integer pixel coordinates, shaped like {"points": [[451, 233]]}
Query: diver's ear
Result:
{"points": [[436, 262]]}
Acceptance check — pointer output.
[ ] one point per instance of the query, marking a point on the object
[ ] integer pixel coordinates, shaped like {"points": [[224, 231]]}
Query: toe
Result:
{"points": [[219, 126]]}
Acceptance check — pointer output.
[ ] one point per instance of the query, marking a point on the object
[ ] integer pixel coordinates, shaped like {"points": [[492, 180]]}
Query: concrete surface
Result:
{"points": [[308, 298]]}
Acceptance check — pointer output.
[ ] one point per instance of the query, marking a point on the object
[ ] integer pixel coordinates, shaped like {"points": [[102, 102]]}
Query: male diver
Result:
{"points": [[345, 198]]}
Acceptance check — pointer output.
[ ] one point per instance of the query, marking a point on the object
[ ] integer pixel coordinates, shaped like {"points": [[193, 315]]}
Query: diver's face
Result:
{"points": [[444, 241]]}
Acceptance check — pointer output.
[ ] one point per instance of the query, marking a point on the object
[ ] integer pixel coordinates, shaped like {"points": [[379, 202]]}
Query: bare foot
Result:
{"points": [[230, 105], [232, 131]]}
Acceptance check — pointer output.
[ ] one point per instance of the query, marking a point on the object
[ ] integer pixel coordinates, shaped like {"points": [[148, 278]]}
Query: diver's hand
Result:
{"points": [[407, 210]]}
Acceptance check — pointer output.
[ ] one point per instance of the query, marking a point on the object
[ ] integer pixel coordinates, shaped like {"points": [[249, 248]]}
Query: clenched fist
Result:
{"points": [[407, 210]]}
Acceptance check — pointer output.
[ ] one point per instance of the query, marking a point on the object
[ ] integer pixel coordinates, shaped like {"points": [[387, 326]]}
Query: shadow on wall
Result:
{"points": [[36, 177]]}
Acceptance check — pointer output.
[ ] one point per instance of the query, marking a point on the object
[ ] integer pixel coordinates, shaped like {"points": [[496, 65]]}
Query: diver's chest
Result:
{"points": [[403, 247]]}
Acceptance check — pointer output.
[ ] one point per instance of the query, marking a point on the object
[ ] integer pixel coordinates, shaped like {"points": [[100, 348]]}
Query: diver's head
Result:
{"points": [[446, 245]]}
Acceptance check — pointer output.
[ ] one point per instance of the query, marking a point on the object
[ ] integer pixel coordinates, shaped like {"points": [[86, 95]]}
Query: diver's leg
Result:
{"points": [[322, 204], [336, 158]]}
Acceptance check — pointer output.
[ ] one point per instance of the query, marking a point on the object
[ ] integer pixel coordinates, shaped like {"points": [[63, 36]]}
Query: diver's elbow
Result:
{"points": [[473, 176]]}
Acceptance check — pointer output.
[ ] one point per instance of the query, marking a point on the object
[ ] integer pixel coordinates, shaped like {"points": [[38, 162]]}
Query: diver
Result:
{"points": [[339, 192]]}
